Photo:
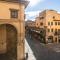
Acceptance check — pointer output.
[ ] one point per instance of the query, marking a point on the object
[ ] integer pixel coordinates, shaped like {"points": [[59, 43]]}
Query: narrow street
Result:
{"points": [[41, 51], [29, 51]]}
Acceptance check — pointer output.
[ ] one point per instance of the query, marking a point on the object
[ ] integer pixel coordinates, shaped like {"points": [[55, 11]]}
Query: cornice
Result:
{"points": [[25, 2]]}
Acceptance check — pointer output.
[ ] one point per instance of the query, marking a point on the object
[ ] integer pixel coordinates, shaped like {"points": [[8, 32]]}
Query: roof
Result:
{"points": [[25, 2]]}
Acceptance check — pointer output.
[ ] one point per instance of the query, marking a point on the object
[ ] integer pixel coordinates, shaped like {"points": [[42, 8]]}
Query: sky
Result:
{"points": [[36, 6]]}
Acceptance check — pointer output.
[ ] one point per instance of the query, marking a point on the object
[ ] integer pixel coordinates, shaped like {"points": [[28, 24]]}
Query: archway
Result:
{"points": [[8, 42]]}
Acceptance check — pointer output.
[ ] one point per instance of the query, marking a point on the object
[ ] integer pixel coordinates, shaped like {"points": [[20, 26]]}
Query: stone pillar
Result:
{"points": [[3, 42], [21, 35], [20, 48]]}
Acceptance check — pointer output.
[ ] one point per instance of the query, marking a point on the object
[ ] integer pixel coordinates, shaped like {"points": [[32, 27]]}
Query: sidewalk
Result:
{"points": [[30, 52]]}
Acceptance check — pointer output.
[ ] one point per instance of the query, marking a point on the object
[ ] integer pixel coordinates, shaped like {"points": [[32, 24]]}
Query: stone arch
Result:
{"points": [[4, 23], [8, 42]]}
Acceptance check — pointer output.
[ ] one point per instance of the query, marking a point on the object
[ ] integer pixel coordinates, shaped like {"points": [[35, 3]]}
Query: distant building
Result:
{"points": [[12, 29], [30, 23], [50, 21]]}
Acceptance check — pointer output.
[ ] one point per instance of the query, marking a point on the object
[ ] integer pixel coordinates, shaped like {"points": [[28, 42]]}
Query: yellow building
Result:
{"points": [[12, 29], [50, 21]]}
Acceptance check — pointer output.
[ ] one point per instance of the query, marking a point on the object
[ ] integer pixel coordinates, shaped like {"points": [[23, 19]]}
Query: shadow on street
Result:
{"points": [[40, 51]]}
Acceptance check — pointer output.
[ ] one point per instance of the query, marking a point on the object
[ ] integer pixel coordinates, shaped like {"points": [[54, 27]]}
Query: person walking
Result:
{"points": [[27, 56]]}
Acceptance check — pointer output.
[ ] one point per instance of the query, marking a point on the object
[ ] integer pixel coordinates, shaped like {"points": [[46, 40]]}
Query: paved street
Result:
{"points": [[29, 51], [41, 51], [54, 46]]}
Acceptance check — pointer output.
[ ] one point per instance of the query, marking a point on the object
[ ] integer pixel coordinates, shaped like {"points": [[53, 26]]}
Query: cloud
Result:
{"points": [[58, 12], [32, 14], [34, 2]]}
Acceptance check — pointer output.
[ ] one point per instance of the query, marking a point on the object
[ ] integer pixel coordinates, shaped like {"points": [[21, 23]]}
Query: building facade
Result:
{"points": [[50, 21], [30, 23], [12, 28]]}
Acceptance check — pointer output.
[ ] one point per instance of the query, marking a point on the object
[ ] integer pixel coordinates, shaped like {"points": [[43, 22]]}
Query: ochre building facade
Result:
{"points": [[12, 29], [50, 21]]}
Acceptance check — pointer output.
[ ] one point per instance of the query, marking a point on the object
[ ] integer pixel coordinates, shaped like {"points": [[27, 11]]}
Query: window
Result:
{"points": [[58, 29], [41, 17], [14, 13], [37, 23], [51, 30], [51, 23], [56, 32], [55, 29], [48, 30], [53, 17], [41, 23], [55, 23], [48, 23], [58, 23]]}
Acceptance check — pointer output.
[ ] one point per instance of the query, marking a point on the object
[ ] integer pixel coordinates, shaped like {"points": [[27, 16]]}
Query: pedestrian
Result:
{"points": [[27, 56]]}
